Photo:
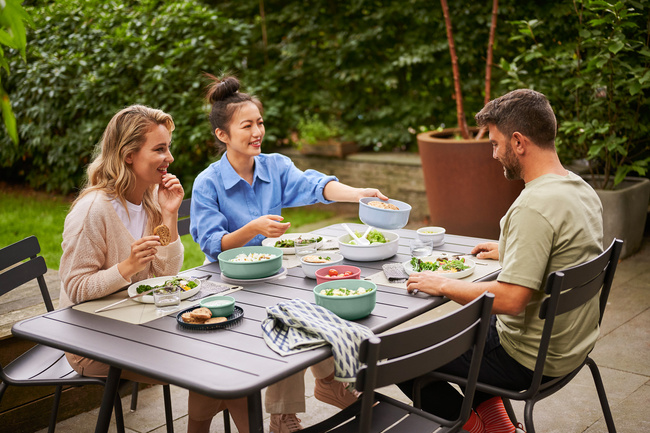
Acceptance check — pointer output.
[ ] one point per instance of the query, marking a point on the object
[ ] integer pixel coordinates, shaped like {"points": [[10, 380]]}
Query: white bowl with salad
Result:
{"points": [[189, 287], [313, 262], [383, 244]]}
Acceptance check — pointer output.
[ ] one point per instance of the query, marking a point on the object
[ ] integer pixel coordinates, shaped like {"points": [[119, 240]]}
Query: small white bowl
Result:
{"points": [[435, 234], [310, 268]]}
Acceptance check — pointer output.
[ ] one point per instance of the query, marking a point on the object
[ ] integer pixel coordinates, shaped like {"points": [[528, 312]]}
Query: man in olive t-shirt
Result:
{"points": [[554, 224]]}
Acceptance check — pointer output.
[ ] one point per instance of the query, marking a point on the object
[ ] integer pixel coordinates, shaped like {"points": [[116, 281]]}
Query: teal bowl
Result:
{"points": [[250, 270], [348, 307], [221, 306]]}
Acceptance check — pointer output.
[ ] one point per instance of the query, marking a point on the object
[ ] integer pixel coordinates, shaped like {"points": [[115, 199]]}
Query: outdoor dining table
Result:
{"points": [[226, 363]]}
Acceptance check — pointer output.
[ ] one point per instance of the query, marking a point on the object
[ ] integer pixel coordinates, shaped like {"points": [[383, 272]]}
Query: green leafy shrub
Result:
{"points": [[598, 79]]}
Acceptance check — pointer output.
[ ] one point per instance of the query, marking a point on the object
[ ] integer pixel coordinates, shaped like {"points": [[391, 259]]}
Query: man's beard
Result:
{"points": [[511, 165]]}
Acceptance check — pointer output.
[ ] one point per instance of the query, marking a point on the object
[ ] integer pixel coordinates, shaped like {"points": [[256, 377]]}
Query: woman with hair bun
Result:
{"points": [[107, 241], [238, 201]]}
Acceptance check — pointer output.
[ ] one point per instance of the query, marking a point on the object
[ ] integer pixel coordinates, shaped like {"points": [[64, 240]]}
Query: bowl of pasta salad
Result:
{"points": [[246, 263]]}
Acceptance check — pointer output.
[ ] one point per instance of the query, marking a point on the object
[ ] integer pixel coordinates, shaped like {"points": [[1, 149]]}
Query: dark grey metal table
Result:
{"points": [[225, 363]]}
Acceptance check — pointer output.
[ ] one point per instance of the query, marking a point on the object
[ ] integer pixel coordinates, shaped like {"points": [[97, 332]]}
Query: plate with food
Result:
{"points": [[286, 242], [189, 287], [451, 267], [192, 318]]}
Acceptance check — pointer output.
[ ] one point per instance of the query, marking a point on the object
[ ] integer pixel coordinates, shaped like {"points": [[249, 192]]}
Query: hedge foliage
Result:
{"points": [[379, 68]]}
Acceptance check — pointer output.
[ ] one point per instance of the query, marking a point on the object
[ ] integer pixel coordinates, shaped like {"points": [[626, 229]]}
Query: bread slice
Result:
{"points": [[164, 233]]}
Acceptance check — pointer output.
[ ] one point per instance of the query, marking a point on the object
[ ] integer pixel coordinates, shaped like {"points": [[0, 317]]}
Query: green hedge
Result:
{"points": [[380, 69]]}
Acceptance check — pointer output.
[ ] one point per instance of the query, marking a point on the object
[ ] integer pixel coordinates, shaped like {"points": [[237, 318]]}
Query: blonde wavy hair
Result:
{"points": [[125, 135]]}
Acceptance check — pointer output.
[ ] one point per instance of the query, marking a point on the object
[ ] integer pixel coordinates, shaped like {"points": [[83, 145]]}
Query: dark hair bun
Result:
{"points": [[223, 89]]}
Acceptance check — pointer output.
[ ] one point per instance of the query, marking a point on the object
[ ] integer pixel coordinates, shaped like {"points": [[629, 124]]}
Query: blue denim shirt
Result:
{"points": [[222, 201]]}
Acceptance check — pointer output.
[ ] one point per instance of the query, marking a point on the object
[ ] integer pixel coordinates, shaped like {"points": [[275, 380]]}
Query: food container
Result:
{"points": [[323, 274], [348, 307], [432, 234], [384, 218], [372, 252], [221, 306], [310, 268], [250, 270]]}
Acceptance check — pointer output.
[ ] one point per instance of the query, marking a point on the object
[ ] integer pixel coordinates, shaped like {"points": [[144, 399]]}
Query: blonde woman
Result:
{"points": [[107, 241]]}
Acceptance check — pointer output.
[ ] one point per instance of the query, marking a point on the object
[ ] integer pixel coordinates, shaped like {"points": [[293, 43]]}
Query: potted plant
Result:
{"points": [[466, 189], [316, 137], [599, 80]]}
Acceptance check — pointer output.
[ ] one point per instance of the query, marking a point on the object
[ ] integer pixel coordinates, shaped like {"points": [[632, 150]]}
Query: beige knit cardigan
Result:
{"points": [[94, 241]]}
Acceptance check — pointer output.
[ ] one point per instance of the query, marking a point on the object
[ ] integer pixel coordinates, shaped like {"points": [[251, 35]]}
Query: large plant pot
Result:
{"points": [[330, 147], [624, 212], [466, 189]]}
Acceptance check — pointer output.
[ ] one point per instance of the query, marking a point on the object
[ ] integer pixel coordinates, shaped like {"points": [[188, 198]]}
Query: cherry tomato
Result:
{"points": [[333, 273], [347, 273]]}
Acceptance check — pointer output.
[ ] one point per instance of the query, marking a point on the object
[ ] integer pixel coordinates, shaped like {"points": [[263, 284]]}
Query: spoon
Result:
{"points": [[366, 233], [359, 241]]}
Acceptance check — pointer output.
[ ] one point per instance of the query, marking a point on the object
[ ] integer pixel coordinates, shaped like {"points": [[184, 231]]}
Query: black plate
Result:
{"points": [[234, 317]]}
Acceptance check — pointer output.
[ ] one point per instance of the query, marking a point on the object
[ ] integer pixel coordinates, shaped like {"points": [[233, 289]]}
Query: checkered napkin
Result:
{"points": [[296, 325], [209, 288]]}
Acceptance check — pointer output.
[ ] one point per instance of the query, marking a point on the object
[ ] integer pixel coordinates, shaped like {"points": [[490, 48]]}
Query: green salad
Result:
{"points": [[374, 236], [439, 265], [342, 291], [181, 282], [290, 243]]}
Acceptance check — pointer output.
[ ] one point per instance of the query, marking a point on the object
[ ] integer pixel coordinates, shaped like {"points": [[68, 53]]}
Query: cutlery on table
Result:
{"points": [[124, 300]]}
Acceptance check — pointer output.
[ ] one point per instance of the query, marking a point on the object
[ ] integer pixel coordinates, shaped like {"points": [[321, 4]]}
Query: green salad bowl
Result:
{"points": [[252, 269], [348, 307]]}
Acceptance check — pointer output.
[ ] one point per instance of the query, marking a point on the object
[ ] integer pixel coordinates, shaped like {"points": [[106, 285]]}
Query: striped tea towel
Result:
{"points": [[296, 325]]}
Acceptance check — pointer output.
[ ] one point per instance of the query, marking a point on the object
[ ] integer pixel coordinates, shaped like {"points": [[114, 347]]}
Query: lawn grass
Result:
{"points": [[26, 212]]}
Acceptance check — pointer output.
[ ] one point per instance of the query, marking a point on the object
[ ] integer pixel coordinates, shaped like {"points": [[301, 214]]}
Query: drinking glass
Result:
{"points": [[167, 299], [305, 247], [421, 248]]}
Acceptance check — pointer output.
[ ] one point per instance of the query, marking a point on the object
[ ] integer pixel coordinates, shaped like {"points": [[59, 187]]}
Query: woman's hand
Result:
{"points": [[486, 250], [143, 251], [371, 192], [270, 226], [170, 194]]}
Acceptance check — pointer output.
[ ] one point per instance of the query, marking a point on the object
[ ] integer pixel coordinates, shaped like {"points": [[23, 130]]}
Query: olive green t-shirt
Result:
{"points": [[554, 224]]}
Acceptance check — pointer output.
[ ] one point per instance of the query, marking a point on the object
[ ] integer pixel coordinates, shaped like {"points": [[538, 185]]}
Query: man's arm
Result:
{"points": [[508, 298]]}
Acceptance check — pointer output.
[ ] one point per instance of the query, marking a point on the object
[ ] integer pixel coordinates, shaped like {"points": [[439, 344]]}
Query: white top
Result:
{"points": [[138, 217]]}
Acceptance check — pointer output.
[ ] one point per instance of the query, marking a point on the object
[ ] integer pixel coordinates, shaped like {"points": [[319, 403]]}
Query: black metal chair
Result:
{"points": [[568, 289], [40, 365], [407, 354]]}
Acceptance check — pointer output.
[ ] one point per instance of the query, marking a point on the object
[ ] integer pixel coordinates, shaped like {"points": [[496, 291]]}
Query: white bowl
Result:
{"points": [[310, 268], [372, 252], [384, 218], [432, 234]]}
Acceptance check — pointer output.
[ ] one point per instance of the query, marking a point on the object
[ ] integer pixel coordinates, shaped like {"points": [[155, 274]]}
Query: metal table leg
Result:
{"points": [[106, 409]]}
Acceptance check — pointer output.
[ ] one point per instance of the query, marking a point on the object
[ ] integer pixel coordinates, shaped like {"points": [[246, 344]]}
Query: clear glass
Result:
{"points": [[421, 248], [304, 247], [167, 299]]}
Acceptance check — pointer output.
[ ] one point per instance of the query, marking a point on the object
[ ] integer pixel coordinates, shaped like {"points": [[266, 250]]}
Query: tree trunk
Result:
{"points": [[488, 64], [460, 112]]}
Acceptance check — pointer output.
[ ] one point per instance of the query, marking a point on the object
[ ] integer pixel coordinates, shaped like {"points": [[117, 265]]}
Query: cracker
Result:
{"points": [[163, 232], [215, 320], [382, 205], [187, 318], [201, 313]]}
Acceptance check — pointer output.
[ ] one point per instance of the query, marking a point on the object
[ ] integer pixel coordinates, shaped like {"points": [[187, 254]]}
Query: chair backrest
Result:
{"points": [[571, 288], [407, 354], [184, 217], [15, 272]]}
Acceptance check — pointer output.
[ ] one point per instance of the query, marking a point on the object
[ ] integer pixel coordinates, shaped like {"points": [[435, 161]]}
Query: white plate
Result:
{"points": [[282, 273], [148, 299], [453, 275], [270, 242]]}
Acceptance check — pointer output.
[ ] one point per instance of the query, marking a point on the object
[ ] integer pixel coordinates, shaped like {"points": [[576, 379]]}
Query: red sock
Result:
{"points": [[494, 416], [474, 424]]}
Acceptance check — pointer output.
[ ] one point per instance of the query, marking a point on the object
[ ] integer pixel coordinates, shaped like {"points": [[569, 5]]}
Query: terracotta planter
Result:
{"points": [[466, 189], [331, 147], [624, 212]]}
